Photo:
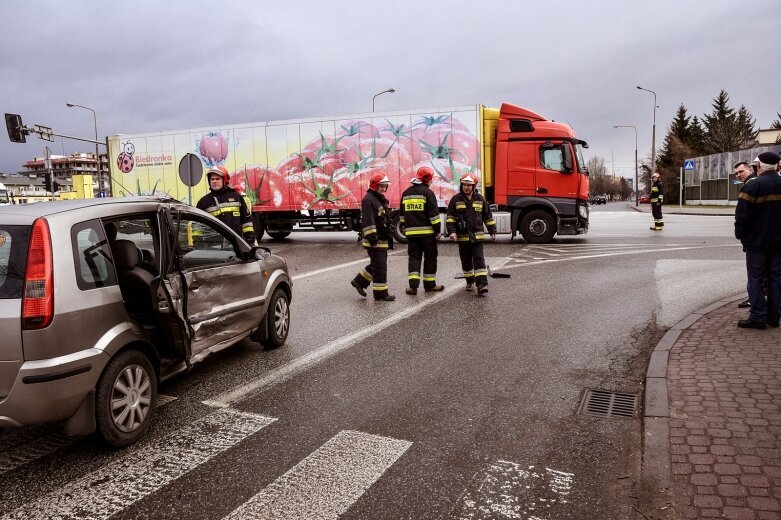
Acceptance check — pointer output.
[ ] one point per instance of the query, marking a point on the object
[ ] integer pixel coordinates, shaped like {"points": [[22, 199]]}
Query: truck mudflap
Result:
{"points": [[572, 226]]}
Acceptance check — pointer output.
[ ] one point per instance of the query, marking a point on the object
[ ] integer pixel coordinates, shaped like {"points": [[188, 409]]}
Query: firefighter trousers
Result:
{"points": [[376, 273], [473, 263], [422, 249], [656, 211]]}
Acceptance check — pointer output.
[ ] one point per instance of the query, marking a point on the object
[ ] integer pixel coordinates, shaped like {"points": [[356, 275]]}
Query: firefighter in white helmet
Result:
{"points": [[227, 204], [468, 216]]}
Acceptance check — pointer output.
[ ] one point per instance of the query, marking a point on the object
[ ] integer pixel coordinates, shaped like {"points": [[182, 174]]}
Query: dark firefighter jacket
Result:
{"points": [[419, 211], [228, 205], [466, 217], [375, 222], [657, 193], [758, 214]]}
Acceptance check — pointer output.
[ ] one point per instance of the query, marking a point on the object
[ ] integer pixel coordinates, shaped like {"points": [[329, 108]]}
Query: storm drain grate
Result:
{"points": [[601, 403]]}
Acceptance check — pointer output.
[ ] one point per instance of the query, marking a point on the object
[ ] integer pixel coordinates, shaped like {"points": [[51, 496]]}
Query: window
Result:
{"points": [[552, 159], [94, 267], [142, 231], [201, 243], [13, 259]]}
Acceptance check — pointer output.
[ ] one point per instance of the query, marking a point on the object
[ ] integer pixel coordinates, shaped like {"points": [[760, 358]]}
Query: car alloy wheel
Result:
{"points": [[131, 398]]}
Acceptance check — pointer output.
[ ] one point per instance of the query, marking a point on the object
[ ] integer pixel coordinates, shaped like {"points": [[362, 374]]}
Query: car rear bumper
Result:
{"points": [[51, 390]]}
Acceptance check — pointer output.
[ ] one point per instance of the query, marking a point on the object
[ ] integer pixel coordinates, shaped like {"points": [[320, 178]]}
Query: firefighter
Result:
{"points": [[377, 239], [227, 204], [657, 198], [419, 212], [468, 215]]}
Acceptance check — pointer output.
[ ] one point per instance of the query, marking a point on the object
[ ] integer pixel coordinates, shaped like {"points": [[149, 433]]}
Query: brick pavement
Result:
{"points": [[724, 394]]}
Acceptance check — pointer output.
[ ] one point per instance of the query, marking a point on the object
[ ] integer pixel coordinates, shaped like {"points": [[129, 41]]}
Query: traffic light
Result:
{"points": [[13, 122], [47, 182]]}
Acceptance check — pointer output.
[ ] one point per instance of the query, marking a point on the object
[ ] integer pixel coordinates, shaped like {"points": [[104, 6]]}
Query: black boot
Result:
{"points": [[386, 298], [358, 288]]}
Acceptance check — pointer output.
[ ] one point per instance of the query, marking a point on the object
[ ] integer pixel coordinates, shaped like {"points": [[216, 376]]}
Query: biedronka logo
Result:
{"points": [[125, 161]]}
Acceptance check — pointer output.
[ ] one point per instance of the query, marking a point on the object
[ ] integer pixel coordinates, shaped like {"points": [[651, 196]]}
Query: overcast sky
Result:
{"points": [[165, 65]]}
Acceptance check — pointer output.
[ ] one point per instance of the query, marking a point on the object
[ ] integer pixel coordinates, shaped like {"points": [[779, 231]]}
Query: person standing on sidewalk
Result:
{"points": [[757, 218], [468, 214], [744, 173], [377, 239], [657, 198], [419, 212]]}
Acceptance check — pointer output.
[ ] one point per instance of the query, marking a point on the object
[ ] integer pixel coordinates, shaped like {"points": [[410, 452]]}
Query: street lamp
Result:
{"points": [[97, 154], [653, 133], [636, 185], [389, 91]]}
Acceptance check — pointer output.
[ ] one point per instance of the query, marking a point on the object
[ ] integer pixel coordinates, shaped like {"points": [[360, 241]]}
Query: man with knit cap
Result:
{"points": [[757, 219]]}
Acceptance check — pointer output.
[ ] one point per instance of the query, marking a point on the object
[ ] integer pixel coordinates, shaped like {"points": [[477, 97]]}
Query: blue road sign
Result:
{"points": [[688, 164], [101, 194]]}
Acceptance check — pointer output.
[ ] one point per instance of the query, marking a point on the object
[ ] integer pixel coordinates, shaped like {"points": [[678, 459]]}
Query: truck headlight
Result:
{"points": [[583, 210]]}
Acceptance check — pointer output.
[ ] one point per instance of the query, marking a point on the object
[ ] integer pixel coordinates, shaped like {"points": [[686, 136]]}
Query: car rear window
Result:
{"points": [[13, 258]]}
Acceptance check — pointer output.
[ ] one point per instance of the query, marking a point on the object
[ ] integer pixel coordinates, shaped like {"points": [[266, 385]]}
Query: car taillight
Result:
{"points": [[38, 298]]}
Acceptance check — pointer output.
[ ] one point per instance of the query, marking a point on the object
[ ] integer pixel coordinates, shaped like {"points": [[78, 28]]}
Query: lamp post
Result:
{"points": [[636, 186], [653, 132], [389, 91], [97, 154]]}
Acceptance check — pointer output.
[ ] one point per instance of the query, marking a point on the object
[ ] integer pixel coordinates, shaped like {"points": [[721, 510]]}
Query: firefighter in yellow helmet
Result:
{"points": [[227, 204], [468, 215], [377, 239]]}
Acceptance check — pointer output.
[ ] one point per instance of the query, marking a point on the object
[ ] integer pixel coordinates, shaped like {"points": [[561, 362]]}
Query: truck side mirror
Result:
{"points": [[567, 157]]}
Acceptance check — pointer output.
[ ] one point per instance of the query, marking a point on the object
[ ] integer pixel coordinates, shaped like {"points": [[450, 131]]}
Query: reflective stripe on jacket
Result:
{"points": [[375, 222], [468, 218], [419, 211]]}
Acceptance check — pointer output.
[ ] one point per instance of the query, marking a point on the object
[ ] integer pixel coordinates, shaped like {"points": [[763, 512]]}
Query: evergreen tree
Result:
{"points": [[697, 137], [680, 131], [747, 132], [721, 126], [777, 123]]}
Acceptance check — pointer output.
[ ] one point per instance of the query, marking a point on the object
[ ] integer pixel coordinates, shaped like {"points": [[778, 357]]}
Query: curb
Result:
{"points": [[673, 211], [655, 471]]}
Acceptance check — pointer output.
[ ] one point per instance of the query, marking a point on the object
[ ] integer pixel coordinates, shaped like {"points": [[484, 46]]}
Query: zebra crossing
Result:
{"points": [[322, 486], [536, 253]]}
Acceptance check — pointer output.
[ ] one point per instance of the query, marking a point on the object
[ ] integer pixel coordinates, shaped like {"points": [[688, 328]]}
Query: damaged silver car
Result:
{"points": [[102, 299]]}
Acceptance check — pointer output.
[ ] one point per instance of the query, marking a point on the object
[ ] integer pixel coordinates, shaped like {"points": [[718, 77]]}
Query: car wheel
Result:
{"points": [[125, 398], [278, 235], [538, 227], [278, 320]]}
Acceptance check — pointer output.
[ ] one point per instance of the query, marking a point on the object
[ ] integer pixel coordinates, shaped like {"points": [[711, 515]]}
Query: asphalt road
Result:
{"points": [[442, 405]]}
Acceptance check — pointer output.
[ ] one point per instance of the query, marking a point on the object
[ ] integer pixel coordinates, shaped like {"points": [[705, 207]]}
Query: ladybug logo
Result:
{"points": [[125, 160]]}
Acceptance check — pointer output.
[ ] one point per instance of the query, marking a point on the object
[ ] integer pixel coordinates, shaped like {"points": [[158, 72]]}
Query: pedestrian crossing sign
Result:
{"points": [[688, 164]]}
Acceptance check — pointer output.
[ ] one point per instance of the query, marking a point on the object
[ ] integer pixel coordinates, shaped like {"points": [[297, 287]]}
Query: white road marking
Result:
{"points": [[42, 442], [506, 490], [326, 483], [363, 261], [135, 474]]}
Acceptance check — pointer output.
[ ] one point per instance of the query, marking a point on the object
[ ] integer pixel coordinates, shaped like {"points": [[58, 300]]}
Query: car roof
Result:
{"points": [[40, 209]]}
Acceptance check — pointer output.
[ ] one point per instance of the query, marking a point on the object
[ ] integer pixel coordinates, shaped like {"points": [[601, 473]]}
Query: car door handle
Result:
{"points": [[542, 190], [194, 287]]}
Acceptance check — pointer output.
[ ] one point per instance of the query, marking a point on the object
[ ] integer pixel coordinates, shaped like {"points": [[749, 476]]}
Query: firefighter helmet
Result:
{"points": [[469, 178], [220, 171], [425, 174], [655, 175], [377, 179]]}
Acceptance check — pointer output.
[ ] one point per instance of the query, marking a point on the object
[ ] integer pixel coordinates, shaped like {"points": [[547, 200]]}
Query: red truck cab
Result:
{"points": [[539, 175]]}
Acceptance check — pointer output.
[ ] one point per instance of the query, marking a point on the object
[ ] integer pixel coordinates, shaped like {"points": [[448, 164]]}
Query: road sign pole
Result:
{"points": [[680, 194]]}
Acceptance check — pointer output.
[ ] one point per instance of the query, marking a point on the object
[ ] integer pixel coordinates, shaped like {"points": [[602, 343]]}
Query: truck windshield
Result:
{"points": [[579, 155]]}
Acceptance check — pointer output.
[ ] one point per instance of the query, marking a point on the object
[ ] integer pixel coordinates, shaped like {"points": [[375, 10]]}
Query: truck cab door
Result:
{"points": [[520, 168], [554, 176]]}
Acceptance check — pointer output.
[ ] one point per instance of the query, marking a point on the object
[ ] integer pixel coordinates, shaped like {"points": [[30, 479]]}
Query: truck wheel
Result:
{"points": [[125, 398], [277, 320], [397, 229], [278, 235], [538, 227]]}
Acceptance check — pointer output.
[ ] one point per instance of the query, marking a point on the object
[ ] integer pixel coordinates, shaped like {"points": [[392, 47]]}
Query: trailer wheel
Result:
{"points": [[278, 235], [397, 229], [538, 227]]}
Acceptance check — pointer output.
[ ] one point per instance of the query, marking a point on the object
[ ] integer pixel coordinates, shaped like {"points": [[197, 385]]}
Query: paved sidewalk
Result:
{"points": [[716, 390]]}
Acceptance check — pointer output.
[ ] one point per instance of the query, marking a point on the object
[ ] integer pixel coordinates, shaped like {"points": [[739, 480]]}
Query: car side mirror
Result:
{"points": [[259, 253]]}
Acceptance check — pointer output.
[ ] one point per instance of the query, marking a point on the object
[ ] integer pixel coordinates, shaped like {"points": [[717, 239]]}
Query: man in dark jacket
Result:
{"points": [[227, 204], [657, 199], [419, 212], [745, 173], [468, 214], [757, 219], [375, 228]]}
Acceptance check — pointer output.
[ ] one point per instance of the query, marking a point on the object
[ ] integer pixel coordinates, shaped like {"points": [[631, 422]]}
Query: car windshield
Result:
{"points": [[3, 196], [579, 155]]}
